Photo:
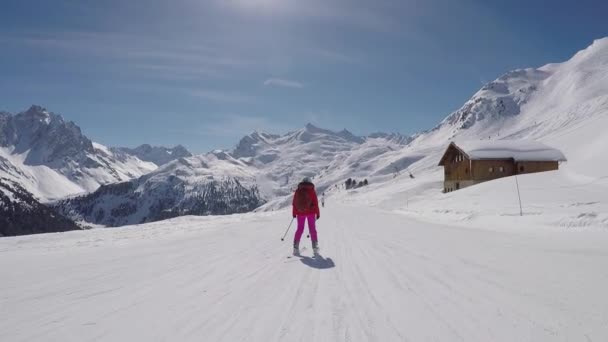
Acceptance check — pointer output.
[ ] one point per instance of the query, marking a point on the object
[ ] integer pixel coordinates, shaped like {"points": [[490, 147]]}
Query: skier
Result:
{"points": [[306, 208]]}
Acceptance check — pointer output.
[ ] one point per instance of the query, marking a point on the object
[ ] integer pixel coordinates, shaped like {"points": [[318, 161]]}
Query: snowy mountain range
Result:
{"points": [[51, 158], [550, 104], [212, 184], [261, 168], [44, 158]]}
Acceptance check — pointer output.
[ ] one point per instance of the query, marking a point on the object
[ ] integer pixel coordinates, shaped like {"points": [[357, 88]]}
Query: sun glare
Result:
{"points": [[260, 4]]}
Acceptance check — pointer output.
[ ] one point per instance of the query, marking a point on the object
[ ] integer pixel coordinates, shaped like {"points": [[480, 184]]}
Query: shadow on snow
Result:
{"points": [[318, 262]]}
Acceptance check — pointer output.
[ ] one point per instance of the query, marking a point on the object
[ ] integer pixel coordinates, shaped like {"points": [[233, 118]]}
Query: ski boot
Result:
{"points": [[315, 248], [296, 249]]}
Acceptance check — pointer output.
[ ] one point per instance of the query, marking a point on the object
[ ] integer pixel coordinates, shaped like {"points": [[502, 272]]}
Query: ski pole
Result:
{"points": [[283, 238]]}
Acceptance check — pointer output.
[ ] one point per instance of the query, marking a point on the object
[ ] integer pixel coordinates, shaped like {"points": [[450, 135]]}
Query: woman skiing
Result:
{"points": [[306, 208]]}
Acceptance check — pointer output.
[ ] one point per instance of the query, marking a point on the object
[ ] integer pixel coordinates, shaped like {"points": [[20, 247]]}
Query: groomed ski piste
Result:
{"points": [[418, 269]]}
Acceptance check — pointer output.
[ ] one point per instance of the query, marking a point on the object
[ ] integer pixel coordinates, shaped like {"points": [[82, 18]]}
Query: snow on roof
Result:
{"points": [[518, 150]]}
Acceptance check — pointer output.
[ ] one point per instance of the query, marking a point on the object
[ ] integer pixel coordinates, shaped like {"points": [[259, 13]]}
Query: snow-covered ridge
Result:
{"points": [[158, 155], [534, 102], [211, 184], [51, 157]]}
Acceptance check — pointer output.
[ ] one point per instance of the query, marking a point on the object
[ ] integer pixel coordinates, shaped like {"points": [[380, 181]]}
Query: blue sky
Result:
{"points": [[204, 73]]}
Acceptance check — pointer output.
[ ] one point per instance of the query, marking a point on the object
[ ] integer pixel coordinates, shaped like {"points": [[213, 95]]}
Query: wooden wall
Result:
{"points": [[457, 167], [481, 169], [536, 166]]}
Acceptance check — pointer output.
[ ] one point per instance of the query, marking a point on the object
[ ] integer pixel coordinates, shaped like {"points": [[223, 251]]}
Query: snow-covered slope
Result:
{"points": [[21, 213], [158, 155], [212, 184], [51, 158], [382, 277]]}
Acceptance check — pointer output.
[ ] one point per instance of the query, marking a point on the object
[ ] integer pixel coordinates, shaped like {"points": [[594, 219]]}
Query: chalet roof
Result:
{"points": [[518, 150]]}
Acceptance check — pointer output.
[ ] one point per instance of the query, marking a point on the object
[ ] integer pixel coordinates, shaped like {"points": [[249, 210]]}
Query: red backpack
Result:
{"points": [[303, 201]]}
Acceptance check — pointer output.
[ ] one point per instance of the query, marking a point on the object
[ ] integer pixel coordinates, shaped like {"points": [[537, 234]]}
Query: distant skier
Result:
{"points": [[306, 208]]}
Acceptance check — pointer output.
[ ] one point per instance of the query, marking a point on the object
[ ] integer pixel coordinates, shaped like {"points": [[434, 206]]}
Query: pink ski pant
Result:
{"points": [[311, 227]]}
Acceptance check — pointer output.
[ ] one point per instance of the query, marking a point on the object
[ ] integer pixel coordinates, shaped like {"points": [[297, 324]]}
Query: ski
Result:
{"points": [[299, 255]]}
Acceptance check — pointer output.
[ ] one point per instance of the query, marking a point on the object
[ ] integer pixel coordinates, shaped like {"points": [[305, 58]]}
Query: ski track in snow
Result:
{"points": [[382, 277]]}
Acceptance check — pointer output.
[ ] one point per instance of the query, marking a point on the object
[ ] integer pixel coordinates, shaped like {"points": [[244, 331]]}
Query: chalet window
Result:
{"points": [[501, 169], [491, 169], [521, 168], [466, 170]]}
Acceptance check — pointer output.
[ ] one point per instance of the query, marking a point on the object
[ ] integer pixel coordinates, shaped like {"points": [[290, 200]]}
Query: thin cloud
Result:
{"points": [[331, 55], [280, 82], [214, 95], [220, 96], [140, 54]]}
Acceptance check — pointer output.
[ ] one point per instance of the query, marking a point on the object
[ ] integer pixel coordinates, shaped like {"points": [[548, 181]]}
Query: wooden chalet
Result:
{"points": [[469, 163]]}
